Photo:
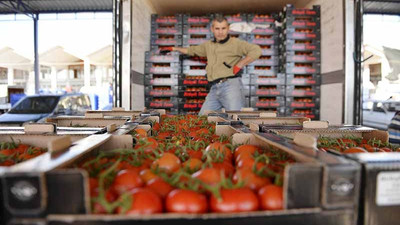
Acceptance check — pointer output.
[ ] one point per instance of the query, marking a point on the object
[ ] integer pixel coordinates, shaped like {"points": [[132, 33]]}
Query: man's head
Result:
{"points": [[220, 28]]}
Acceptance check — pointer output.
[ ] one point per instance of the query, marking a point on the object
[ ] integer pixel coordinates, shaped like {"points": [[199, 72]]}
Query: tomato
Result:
{"points": [[148, 144], [235, 200], [194, 154], [156, 126], [385, 149], [186, 201], [159, 186], [168, 162], [192, 165], [127, 180], [7, 152], [21, 148], [225, 166], [7, 162], [147, 175], [221, 147], [211, 176], [93, 185], [140, 132], [354, 150], [163, 135], [250, 179], [144, 201], [271, 197], [110, 196], [246, 149]]}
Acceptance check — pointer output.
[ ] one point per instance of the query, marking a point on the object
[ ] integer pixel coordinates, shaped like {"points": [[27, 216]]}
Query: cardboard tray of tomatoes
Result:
{"points": [[89, 120], [118, 112]]}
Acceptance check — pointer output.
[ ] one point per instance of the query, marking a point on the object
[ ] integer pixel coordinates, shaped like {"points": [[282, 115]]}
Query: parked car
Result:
{"points": [[378, 114], [36, 108]]}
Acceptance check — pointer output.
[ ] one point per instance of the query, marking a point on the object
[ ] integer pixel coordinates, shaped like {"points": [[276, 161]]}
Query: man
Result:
{"points": [[224, 63]]}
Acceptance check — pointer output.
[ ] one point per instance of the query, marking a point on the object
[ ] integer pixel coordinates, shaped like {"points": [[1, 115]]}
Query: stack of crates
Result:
{"points": [[194, 86], [267, 86], [163, 72], [237, 18], [301, 60]]}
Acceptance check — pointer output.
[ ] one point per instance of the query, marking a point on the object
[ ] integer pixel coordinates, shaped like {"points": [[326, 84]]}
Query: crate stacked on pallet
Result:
{"points": [[301, 60], [267, 86], [194, 85], [163, 72]]}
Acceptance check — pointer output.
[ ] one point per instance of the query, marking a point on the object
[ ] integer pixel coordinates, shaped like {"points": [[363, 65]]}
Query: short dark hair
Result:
{"points": [[219, 18]]}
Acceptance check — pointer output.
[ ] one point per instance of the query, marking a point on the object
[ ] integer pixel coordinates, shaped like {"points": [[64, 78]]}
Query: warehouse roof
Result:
{"points": [[382, 6], [54, 6]]}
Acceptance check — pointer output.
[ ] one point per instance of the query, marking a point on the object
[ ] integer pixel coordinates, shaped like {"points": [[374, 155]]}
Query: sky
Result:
{"points": [[80, 34], [382, 30]]}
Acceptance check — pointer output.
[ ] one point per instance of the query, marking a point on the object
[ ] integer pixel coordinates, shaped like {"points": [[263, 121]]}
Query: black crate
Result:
{"points": [[194, 70], [154, 91], [195, 61], [267, 90], [302, 22], [166, 39], [197, 29], [166, 29], [160, 80], [312, 113], [190, 81], [267, 61], [303, 68], [311, 79], [188, 19], [186, 104], [240, 17], [267, 80], [300, 91], [301, 45], [158, 58], [290, 10], [176, 19], [263, 39], [303, 102], [157, 103], [300, 56], [262, 70], [261, 18], [269, 49], [162, 68], [298, 35], [267, 102]]}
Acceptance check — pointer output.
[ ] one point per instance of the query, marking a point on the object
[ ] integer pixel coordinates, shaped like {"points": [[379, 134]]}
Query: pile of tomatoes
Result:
{"points": [[349, 145], [12, 153], [185, 168]]}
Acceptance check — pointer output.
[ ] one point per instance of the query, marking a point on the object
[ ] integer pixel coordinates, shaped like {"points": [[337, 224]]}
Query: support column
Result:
{"points": [[10, 75], [99, 74], [53, 79], [86, 72]]}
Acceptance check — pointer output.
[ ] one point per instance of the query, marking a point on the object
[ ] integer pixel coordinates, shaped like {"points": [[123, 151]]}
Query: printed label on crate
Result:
{"points": [[190, 94], [166, 20], [303, 58], [263, 31], [166, 42], [302, 105], [162, 58], [202, 94], [302, 81], [303, 70], [304, 35], [262, 20], [190, 82], [205, 82], [162, 81], [303, 24], [264, 41], [166, 30], [198, 30], [268, 92], [162, 70], [155, 93], [388, 188], [303, 47], [306, 93], [268, 104], [234, 19], [191, 106], [196, 41], [304, 12], [311, 116], [156, 104], [268, 81], [198, 20]]}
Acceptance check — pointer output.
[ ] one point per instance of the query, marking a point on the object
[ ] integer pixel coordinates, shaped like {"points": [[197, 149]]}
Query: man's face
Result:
{"points": [[220, 30]]}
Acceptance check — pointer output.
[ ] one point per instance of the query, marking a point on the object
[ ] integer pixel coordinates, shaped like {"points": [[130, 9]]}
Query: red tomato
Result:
{"points": [[147, 175], [159, 186], [195, 154], [271, 197], [209, 176], [110, 196], [93, 185], [192, 165], [168, 162], [186, 201], [246, 149], [221, 147], [127, 180], [225, 166], [250, 179], [235, 200], [144, 201], [385, 149], [354, 150]]}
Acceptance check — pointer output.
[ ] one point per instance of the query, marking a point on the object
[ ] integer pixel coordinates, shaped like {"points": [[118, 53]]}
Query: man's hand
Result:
{"points": [[165, 50], [236, 69]]}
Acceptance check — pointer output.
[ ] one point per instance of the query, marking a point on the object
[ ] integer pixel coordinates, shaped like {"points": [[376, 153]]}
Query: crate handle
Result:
{"points": [[40, 128], [267, 114], [254, 127], [315, 124], [59, 144], [247, 109], [305, 140], [111, 128]]}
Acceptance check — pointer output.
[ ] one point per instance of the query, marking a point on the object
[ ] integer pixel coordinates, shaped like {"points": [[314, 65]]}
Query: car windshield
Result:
{"points": [[35, 105]]}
